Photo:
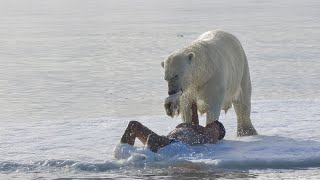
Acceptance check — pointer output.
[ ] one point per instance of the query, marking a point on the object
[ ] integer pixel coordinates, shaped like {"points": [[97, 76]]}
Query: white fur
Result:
{"points": [[213, 72]]}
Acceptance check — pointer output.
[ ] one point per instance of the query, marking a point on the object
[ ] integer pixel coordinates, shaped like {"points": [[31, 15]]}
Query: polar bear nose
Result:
{"points": [[172, 92]]}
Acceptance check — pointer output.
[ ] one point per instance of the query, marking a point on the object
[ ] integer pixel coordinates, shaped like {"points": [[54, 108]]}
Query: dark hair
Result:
{"points": [[222, 130]]}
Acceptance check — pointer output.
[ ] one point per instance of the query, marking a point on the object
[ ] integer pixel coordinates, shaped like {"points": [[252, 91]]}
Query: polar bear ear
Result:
{"points": [[162, 64], [191, 57]]}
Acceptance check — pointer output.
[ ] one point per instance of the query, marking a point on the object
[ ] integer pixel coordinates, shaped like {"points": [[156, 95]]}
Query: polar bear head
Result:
{"points": [[177, 69], [178, 72]]}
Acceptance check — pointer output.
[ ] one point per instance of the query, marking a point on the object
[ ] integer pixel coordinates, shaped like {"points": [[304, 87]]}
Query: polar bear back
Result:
{"points": [[221, 54]]}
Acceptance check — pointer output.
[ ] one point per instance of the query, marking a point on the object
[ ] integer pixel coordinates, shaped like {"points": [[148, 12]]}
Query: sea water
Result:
{"points": [[74, 73]]}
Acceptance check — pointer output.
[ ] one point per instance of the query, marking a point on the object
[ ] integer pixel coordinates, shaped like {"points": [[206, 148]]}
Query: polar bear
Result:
{"points": [[212, 72]]}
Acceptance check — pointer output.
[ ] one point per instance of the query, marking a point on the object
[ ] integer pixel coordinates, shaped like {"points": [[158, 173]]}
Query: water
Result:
{"points": [[73, 73]]}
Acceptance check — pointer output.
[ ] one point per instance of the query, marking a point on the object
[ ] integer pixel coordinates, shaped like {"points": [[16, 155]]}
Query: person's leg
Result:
{"points": [[135, 130], [155, 142]]}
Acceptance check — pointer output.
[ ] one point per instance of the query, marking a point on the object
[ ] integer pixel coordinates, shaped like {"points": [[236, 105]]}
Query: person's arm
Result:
{"points": [[195, 118]]}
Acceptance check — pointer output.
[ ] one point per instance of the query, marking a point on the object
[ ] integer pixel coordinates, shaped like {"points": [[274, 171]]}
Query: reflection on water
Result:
{"points": [[162, 174]]}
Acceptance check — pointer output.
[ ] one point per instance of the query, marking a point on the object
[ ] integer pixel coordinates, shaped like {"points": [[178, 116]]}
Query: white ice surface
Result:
{"points": [[72, 78]]}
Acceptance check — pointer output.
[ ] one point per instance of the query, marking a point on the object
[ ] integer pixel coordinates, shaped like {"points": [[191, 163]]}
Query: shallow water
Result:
{"points": [[288, 146], [74, 73]]}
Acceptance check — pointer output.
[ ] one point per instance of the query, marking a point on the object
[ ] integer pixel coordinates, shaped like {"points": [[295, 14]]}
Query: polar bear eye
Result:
{"points": [[176, 76]]}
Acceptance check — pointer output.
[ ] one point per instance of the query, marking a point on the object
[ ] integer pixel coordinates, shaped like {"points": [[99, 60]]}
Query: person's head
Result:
{"points": [[222, 131], [218, 126]]}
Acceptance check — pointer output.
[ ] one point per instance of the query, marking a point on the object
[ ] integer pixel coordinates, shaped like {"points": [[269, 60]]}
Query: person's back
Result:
{"points": [[195, 134]]}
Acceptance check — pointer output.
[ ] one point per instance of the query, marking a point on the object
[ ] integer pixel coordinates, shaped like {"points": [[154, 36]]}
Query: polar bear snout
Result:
{"points": [[174, 86], [172, 92], [175, 92]]}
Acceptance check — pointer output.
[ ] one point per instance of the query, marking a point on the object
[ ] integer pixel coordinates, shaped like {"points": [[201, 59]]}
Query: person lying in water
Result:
{"points": [[191, 134]]}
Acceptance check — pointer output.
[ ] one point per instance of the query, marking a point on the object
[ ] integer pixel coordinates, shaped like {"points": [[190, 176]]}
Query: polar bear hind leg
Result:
{"points": [[242, 106]]}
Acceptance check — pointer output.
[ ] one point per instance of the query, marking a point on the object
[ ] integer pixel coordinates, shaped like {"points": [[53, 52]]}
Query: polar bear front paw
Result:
{"points": [[171, 104], [246, 131], [171, 109]]}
